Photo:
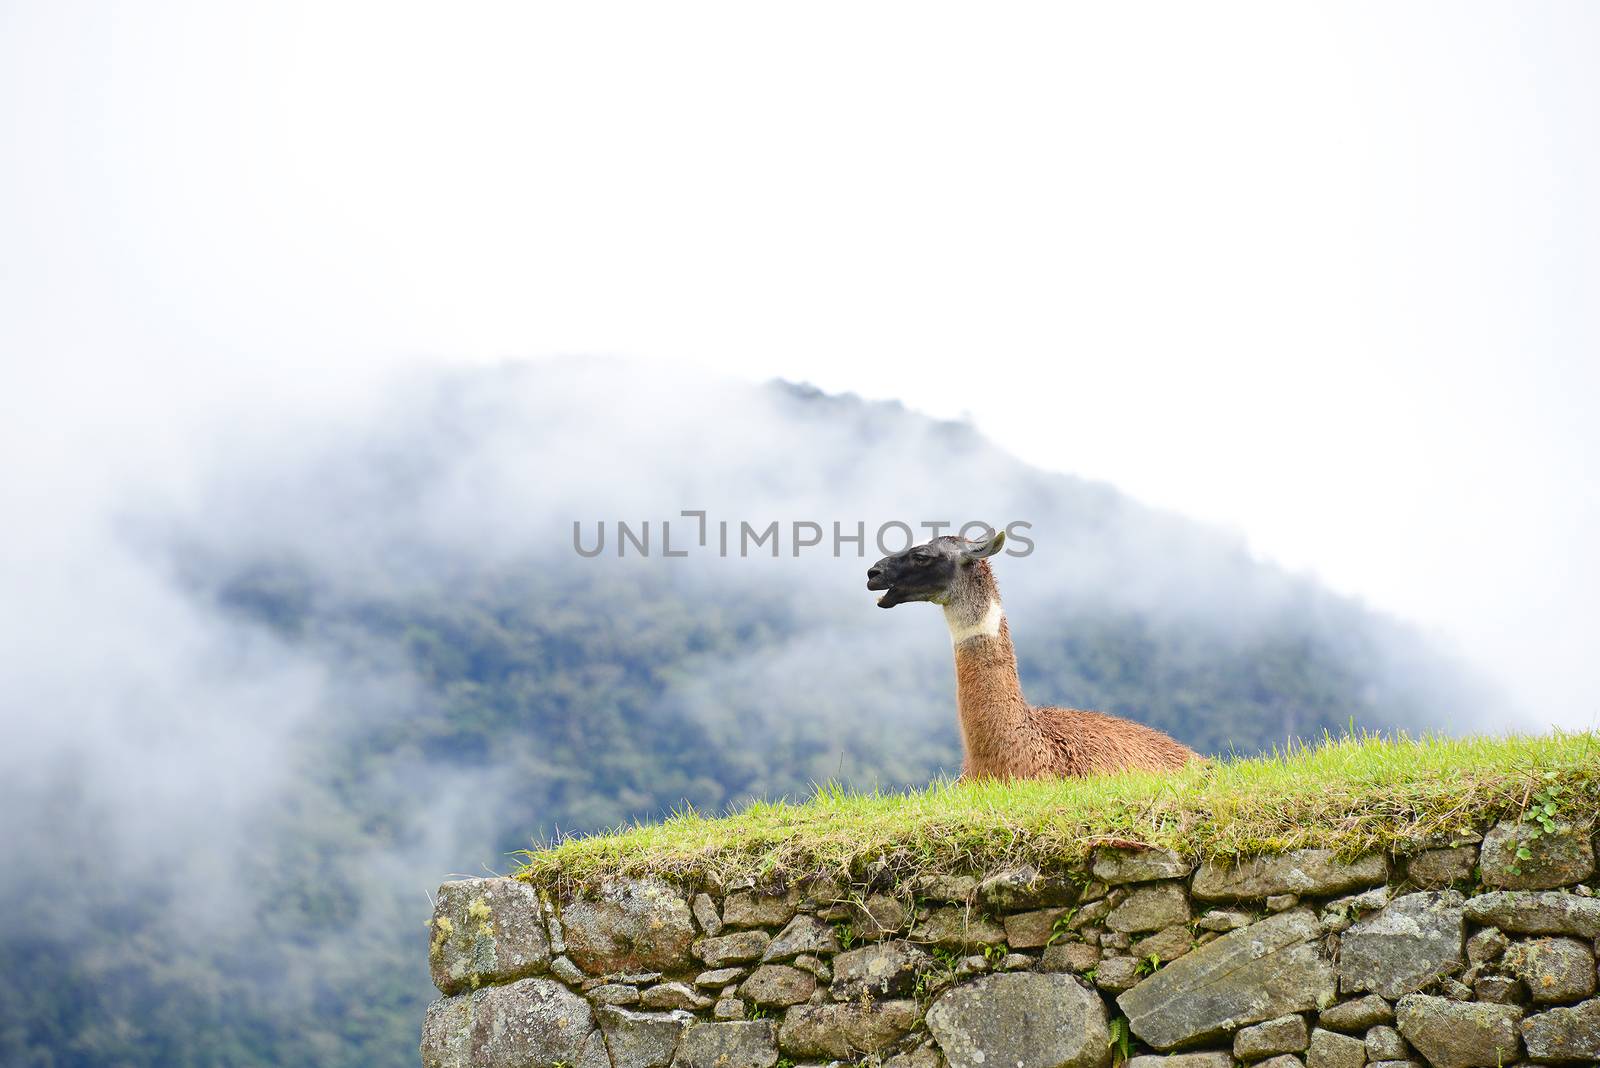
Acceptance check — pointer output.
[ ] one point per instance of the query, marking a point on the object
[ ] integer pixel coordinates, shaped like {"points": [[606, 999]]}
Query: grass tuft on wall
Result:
{"points": [[1352, 794]]}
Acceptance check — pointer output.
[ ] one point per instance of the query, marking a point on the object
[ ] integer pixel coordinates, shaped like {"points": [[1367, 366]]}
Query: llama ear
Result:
{"points": [[985, 547]]}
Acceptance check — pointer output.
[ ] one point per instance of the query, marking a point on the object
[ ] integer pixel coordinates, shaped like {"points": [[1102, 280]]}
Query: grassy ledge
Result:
{"points": [[1353, 794]]}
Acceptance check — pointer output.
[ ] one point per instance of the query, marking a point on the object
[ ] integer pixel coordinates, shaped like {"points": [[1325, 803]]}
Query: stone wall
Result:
{"points": [[1480, 952]]}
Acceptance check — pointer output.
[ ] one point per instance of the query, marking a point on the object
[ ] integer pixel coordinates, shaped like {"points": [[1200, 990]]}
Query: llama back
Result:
{"points": [[1094, 742]]}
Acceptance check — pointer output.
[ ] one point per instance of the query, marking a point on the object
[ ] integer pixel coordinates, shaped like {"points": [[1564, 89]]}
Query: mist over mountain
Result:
{"points": [[255, 713]]}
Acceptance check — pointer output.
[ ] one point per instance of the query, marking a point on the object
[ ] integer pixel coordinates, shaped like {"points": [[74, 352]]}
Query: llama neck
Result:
{"points": [[988, 692]]}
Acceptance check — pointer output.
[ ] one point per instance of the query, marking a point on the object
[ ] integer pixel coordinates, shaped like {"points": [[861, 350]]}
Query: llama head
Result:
{"points": [[939, 571]]}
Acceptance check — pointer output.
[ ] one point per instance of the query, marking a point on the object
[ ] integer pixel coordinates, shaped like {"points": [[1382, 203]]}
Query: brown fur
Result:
{"points": [[1006, 738]]}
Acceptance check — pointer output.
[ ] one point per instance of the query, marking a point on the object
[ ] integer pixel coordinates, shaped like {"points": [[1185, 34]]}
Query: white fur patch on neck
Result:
{"points": [[988, 626]]}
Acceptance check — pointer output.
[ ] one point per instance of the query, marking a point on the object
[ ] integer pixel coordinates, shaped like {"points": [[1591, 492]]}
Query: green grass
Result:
{"points": [[1352, 794]]}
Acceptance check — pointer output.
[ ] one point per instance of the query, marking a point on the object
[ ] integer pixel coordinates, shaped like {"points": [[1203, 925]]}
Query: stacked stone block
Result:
{"points": [[1478, 953]]}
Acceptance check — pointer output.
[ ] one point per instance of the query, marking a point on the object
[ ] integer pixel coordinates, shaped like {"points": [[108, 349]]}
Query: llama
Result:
{"points": [[1004, 737]]}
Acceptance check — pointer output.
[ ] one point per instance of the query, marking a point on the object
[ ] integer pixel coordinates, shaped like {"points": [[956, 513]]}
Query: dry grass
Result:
{"points": [[1351, 794]]}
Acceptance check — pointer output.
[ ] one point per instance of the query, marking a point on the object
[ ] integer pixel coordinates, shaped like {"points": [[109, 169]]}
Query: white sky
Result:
{"points": [[1326, 275]]}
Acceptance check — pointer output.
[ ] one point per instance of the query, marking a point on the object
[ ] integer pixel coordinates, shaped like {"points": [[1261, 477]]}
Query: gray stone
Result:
{"points": [[1214, 1059], [1565, 1034], [819, 892], [957, 927], [1069, 957], [815, 965], [923, 1056], [532, 1022], [804, 934], [1415, 940], [1256, 973], [1340, 913], [1116, 866], [736, 948], [1116, 974], [1330, 1049], [706, 915], [1554, 969], [1407, 1063], [1282, 902], [1537, 912], [778, 984], [1308, 872], [1224, 920], [637, 978], [632, 925], [877, 916], [1115, 940], [447, 1033], [1167, 944], [728, 1008], [743, 1044], [1286, 1060], [486, 931], [614, 994], [1091, 913], [838, 912], [1459, 1034], [1436, 869], [920, 1057], [1150, 908], [1354, 906], [1030, 930], [945, 887], [717, 978], [1558, 858], [641, 1039], [1016, 961], [1285, 1034], [1385, 1044], [1357, 1015], [673, 996], [997, 1021], [593, 1053], [846, 1030], [566, 971], [749, 908], [558, 938], [1024, 888], [967, 967], [886, 970], [1499, 990], [1487, 945]]}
